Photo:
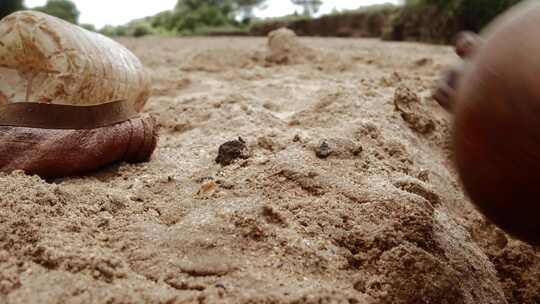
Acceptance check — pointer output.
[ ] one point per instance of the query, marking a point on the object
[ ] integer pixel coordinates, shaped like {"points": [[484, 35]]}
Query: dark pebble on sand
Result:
{"points": [[220, 285], [324, 150], [232, 150]]}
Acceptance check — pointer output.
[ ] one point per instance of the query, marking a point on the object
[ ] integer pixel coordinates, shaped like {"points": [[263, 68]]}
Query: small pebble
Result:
{"points": [[324, 150], [220, 285], [358, 150], [232, 150], [207, 187]]}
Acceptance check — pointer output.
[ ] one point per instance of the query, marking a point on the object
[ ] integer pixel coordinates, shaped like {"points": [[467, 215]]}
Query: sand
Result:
{"points": [[345, 191]]}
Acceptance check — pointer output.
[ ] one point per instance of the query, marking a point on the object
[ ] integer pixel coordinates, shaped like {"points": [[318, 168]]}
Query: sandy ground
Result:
{"points": [[381, 219]]}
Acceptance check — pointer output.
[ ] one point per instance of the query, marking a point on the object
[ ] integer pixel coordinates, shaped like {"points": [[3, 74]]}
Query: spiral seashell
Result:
{"points": [[69, 99], [47, 60]]}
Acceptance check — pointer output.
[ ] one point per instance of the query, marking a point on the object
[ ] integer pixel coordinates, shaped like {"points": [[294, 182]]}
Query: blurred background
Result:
{"points": [[434, 21]]}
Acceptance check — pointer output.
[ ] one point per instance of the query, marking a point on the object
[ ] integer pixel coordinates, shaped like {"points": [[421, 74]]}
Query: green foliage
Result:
{"points": [[89, 27], [192, 14], [136, 28], [109, 30], [163, 20], [245, 7], [374, 8], [192, 17], [63, 9], [311, 7], [140, 28], [9, 6], [474, 14]]}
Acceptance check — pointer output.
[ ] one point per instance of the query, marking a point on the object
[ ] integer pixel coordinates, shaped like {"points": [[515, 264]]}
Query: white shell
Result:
{"points": [[46, 59]]}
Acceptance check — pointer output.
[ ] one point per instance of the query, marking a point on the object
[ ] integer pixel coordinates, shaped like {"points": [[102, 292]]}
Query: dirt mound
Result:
{"points": [[412, 111], [285, 47]]}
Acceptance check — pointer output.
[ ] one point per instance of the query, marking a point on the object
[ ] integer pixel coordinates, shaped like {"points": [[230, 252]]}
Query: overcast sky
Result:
{"points": [[116, 12]]}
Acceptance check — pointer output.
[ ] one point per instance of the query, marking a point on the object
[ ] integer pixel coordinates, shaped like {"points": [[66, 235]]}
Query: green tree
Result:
{"points": [[108, 30], [193, 5], [245, 8], [311, 7], [139, 28], [228, 8], [9, 6], [192, 14], [192, 17], [163, 20], [63, 9]]}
